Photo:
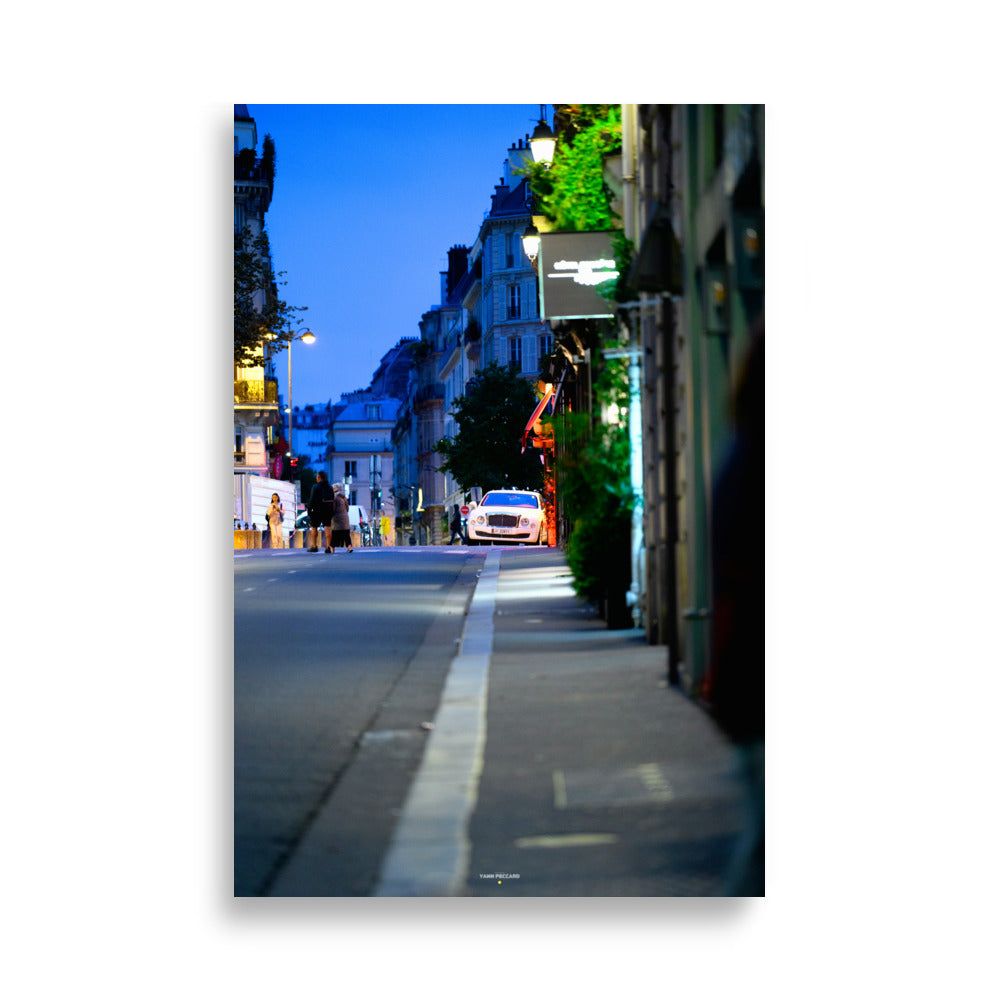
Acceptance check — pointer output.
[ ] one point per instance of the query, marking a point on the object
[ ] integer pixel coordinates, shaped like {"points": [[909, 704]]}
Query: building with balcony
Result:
{"points": [[359, 452], [426, 403], [502, 295], [257, 421]]}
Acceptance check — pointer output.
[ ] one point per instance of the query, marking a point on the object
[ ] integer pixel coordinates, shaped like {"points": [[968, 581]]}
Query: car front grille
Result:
{"points": [[501, 520]]}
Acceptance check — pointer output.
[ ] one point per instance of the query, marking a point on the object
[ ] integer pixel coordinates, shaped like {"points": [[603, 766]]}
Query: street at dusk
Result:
{"points": [[439, 721], [568, 393]]}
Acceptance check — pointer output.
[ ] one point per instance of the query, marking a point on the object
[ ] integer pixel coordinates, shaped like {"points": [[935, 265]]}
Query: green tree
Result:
{"points": [[486, 451], [306, 475], [274, 323]]}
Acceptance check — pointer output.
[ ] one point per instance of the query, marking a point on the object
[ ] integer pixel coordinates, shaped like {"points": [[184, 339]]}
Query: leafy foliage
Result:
{"points": [[252, 327], [593, 465], [268, 160], [571, 193], [615, 290], [305, 474], [593, 458], [486, 451]]}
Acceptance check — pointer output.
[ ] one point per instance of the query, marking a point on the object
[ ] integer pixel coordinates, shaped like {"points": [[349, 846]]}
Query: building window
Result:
{"points": [[351, 469], [515, 353], [544, 344], [373, 411], [509, 243], [513, 302]]}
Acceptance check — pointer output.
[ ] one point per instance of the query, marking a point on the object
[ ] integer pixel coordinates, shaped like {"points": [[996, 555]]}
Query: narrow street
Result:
{"points": [[331, 653]]}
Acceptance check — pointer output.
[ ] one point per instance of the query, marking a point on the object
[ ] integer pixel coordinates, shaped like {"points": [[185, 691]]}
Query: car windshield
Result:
{"points": [[510, 500]]}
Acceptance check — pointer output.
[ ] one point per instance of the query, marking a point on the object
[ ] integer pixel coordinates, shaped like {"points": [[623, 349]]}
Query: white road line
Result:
{"points": [[429, 852], [568, 840]]}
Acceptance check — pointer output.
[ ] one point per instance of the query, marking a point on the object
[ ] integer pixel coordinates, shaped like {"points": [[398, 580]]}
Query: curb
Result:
{"points": [[429, 852]]}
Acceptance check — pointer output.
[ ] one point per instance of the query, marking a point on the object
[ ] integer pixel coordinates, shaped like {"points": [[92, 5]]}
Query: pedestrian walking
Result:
{"points": [[275, 516], [321, 503], [456, 525], [341, 519]]}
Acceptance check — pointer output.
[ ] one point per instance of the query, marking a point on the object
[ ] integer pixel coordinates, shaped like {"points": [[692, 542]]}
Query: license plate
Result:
{"points": [[503, 531]]}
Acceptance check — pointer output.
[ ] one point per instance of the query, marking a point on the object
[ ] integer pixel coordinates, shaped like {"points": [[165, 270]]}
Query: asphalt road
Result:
{"points": [[338, 659]]}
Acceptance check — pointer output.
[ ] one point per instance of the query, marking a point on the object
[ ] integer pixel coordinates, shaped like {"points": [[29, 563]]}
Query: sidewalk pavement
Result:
{"points": [[590, 776]]}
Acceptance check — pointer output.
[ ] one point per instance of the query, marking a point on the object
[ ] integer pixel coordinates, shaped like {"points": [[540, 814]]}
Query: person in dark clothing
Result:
{"points": [[341, 519], [734, 690], [456, 525], [321, 511]]}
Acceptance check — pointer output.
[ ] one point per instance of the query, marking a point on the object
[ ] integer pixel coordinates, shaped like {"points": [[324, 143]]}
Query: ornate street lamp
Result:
{"points": [[542, 141], [543, 147], [531, 240]]}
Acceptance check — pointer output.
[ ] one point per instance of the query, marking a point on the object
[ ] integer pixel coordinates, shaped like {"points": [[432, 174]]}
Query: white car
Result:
{"points": [[514, 516]]}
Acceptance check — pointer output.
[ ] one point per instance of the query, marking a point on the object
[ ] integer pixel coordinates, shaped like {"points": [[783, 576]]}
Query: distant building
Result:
{"points": [[359, 452], [313, 422], [392, 376], [312, 425]]}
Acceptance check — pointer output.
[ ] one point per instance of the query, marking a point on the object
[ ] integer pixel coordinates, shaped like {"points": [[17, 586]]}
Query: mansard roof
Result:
{"points": [[357, 410], [241, 113], [461, 287], [515, 202]]}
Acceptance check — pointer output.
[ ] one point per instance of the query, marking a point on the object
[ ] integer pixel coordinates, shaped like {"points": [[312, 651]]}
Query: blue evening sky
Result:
{"points": [[367, 201]]}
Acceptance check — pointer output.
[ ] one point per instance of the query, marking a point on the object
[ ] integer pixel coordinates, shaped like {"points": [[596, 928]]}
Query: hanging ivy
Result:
{"points": [[571, 193], [593, 459], [593, 464]]}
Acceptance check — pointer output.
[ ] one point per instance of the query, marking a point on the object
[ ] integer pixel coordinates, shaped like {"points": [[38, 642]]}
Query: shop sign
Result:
{"points": [[571, 266]]}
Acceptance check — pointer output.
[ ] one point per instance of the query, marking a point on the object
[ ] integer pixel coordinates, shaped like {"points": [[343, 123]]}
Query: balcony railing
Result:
{"points": [[263, 391], [429, 392]]}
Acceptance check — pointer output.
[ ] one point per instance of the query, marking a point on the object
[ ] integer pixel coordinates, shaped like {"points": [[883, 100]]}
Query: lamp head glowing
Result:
{"points": [[543, 143], [531, 241]]}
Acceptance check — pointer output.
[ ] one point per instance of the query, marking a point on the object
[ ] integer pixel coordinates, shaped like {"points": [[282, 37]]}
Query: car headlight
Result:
{"points": [[525, 522], [479, 519]]}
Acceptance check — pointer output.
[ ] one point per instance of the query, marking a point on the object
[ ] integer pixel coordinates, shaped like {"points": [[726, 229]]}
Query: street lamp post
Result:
{"points": [[543, 147], [307, 338]]}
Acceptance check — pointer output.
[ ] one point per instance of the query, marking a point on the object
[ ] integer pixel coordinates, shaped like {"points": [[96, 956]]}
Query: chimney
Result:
{"points": [[518, 157], [500, 191], [458, 264]]}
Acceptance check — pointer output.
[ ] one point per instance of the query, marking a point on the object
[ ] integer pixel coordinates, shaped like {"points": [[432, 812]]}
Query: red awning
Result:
{"points": [[549, 392]]}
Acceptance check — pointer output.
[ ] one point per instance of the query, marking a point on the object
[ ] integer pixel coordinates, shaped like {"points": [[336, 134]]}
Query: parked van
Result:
{"points": [[357, 515]]}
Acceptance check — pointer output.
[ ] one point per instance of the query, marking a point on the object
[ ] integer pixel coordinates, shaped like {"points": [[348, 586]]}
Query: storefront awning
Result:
{"points": [[549, 393]]}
